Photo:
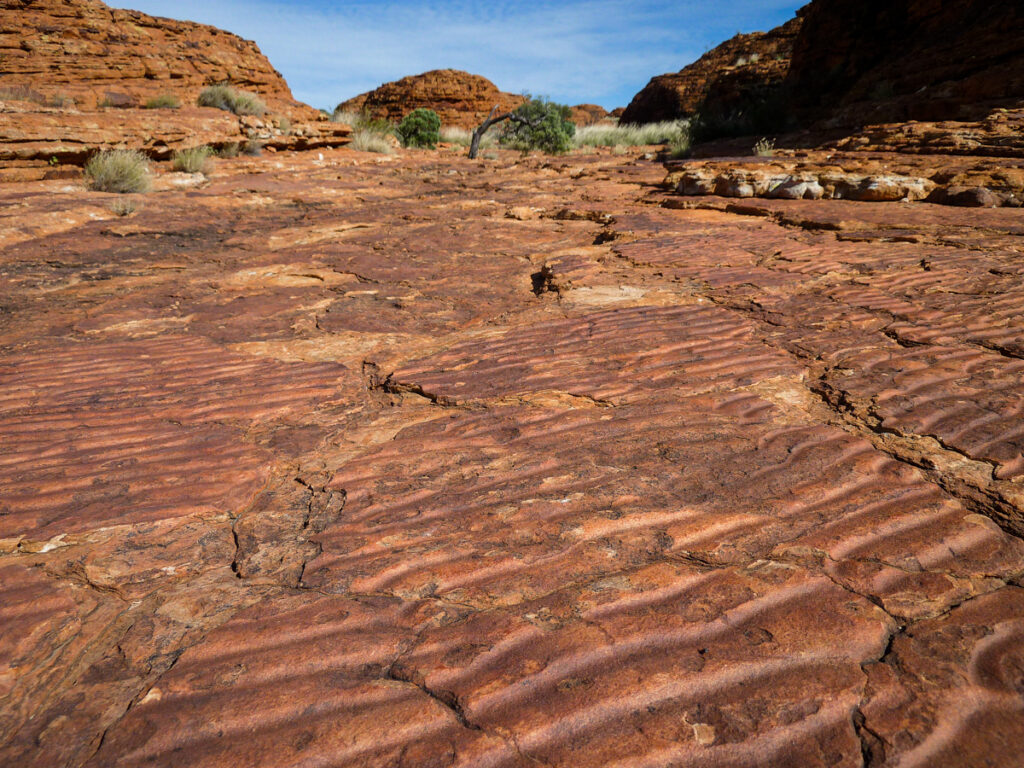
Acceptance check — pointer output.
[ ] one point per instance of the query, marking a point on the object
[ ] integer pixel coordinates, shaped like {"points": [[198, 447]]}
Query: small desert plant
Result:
{"points": [[420, 128], [228, 150], [231, 100], [124, 206], [540, 124], [284, 125], [764, 147], [679, 146], [627, 135], [118, 170], [163, 101], [252, 148], [369, 141], [62, 101], [192, 159]]}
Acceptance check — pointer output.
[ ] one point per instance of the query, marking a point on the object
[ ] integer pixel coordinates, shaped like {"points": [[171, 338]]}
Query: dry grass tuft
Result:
{"points": [[764, 147], [231, 100], [192, 160], [365, 140], [163, 101], [118, 170], [124, 206], [627, 135]]}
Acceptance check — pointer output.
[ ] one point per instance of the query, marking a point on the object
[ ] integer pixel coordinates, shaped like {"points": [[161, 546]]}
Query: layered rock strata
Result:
{"points": [[85, 51], [75, 76]]}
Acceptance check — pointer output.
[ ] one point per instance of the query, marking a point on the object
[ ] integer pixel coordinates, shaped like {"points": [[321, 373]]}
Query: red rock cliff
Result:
{"points": [[858, 62], [760, 57]]}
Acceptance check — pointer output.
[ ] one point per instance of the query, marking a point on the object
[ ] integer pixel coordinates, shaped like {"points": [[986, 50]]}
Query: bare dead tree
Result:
{"points": [[478, 134], [492, 119]]}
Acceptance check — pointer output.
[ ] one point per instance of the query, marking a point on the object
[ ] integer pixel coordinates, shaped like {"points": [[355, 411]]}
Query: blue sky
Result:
{"points": [[576, 51]]}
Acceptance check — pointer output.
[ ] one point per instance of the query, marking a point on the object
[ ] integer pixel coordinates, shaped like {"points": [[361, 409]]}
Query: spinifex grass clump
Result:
{"points": [[365, 140], [540, 124], [420, 128], [630, 135], [231, 100], [192, 160], [118, 170]]}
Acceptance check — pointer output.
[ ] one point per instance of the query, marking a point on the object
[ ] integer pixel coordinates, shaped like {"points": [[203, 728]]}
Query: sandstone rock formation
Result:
{"points": [[588, 114], [459, 98], [759, 59], [76, 73], [89, 52], [856, 63], [301, 467]]}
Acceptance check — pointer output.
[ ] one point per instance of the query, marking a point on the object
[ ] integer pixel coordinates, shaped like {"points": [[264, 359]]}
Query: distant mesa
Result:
{"points": [[460, 99]]}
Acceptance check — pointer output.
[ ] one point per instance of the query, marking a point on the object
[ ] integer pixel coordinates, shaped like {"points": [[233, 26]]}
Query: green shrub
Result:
{"points": [[284, 125], [231, 100], [252, 148], [420, 128], [540, 124], [192, 160], [371, 141], [228, 150], [118, 170], [163, 101]]}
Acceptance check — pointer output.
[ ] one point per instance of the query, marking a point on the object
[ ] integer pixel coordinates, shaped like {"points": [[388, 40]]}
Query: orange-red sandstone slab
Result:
{"points": [[111, 433], [532, 561]]}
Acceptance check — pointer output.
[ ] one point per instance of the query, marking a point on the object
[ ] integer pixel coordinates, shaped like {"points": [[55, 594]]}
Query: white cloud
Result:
{"points": [[600, 51]]}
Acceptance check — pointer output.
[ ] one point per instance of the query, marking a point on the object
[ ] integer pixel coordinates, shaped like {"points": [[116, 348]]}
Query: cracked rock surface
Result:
{"points": [[419, 461]]}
